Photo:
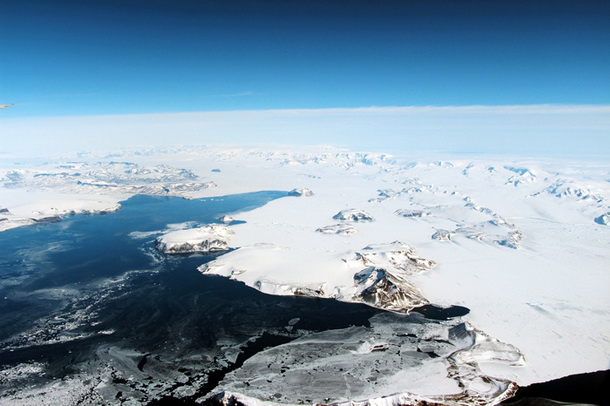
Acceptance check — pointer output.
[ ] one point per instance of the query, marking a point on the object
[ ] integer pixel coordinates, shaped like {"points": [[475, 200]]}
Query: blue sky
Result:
{"points": [[91, 58], [124, 56]]}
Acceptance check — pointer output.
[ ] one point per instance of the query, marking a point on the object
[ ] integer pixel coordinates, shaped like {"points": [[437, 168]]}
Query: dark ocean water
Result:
{"points": [[70, 288]]}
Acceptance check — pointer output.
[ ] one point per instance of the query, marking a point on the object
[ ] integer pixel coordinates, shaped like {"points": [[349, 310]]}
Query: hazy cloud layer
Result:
{"points": [[524, 130]]}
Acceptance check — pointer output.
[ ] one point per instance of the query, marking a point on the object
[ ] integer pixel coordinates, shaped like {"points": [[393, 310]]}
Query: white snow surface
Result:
{"points": [[527, 245]]}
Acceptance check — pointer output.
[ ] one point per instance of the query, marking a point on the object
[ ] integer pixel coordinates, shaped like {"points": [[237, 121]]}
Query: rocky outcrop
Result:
{"points": [[340, 229], [387, 290], [384, 282], [211, 238], [412, 213], [353, 215], [49, 219], [442, 235], [300, 192]]}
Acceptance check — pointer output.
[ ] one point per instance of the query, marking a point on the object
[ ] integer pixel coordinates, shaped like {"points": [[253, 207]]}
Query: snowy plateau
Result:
{"points": [[523, 243]]}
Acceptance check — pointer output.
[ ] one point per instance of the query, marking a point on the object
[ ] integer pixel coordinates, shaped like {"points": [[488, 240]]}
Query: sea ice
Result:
{"points": [[359, 365]]}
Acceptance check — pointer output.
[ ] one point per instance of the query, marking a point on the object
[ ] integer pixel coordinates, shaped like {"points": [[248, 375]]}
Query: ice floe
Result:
{"points": [[385, 364]]}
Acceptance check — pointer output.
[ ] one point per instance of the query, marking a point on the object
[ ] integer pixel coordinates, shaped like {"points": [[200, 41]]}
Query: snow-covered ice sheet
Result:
{"points": [[523, 243]]}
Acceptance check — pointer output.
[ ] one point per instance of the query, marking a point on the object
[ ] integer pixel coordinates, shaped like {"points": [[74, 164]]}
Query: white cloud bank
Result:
{"points": [[521, 129]]}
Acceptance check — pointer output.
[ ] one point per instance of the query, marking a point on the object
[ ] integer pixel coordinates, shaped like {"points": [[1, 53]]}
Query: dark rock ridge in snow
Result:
{"points": [[340, 229], [49, 219], [384, 283], [412, 213], [389, 194], [442, 235], [384, 195], [300, 192], [353, 215], [388, 290]]}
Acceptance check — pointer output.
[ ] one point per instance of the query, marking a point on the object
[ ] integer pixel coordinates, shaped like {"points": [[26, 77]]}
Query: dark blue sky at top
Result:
{"points": [[111, 57]]}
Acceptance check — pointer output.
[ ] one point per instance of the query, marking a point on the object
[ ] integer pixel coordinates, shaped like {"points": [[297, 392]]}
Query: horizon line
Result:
{"points": [[548, 108]]}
